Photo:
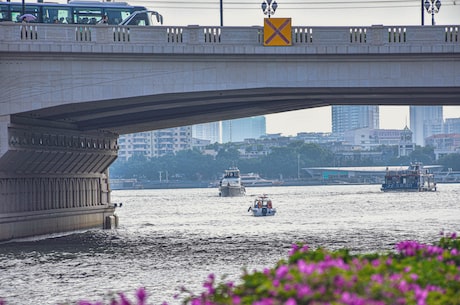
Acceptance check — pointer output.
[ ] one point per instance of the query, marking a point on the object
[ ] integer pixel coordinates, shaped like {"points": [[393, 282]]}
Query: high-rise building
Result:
{"points": [[452, 125], [246, 128], [155, 143], [425, 121], [133, 144], [207, 131], [171, 140], [346, 118]]}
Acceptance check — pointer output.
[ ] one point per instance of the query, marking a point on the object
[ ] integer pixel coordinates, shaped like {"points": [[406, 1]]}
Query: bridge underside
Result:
{"points": [[151, 112], [54, 178]]}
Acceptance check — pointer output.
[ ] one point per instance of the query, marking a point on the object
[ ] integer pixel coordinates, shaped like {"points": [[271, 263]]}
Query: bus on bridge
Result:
{"points": [[77, 12]]}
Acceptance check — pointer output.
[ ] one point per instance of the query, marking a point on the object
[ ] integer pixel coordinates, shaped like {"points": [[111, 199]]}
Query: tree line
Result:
{"points": [[281, 163]]}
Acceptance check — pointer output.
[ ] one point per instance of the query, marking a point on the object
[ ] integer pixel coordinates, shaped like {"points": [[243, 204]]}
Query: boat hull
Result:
{"points": [[263, 212], [408, 189], [231, 191]]}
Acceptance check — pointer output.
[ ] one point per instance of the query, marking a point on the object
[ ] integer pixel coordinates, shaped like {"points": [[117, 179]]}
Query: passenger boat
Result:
{"points": [[230, 184], [414, 179], [262, 206], [253, 179]]}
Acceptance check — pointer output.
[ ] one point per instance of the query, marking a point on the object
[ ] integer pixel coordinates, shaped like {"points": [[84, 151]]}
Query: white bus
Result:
{"points": [[78, 12]]}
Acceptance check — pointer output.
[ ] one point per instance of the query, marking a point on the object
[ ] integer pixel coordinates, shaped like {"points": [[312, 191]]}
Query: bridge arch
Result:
{"points": [[60, 120]]}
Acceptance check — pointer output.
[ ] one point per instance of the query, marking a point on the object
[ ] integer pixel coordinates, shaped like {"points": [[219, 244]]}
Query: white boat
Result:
{"points": [[230, 184], [253, 179], [262, 206]]}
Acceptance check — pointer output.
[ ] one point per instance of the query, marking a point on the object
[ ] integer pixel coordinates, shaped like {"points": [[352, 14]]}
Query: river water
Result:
{"points": [[172, 238]]}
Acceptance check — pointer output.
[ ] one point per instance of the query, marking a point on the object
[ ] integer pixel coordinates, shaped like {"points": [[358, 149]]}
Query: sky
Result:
{"points": [[311, 13]]}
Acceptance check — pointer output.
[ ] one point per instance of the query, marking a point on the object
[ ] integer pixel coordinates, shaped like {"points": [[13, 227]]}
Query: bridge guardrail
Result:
{"points": [[50, 37]]}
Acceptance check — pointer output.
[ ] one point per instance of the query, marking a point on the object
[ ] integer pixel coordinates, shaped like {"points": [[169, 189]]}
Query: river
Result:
{"points": [[176, 237]]}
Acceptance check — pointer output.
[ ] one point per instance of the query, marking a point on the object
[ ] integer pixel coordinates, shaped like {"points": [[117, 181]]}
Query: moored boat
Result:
{"points": [[253, 179], [230, 184], [414, 179], [262, 206]]}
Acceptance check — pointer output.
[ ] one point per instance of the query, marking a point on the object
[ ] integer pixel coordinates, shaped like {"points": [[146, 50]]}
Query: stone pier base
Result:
{"points": [[25, 224]]}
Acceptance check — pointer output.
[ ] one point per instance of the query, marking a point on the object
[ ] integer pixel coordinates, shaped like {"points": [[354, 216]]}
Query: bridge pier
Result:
{"points": [[53, 179]]}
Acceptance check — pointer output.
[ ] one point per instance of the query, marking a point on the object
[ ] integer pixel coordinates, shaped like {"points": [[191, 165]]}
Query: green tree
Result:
{"points": [[450, 161], [423, 154]]}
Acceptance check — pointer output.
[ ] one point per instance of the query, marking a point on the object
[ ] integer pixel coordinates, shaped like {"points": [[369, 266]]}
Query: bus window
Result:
{"points": [[53, 14], [142, 18], [117, 15], [73, 12], [16, 12], [4, 16], [87, 15]]}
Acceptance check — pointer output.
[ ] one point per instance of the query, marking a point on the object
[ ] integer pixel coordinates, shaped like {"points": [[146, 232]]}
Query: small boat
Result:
{"points": [[230, 184], [262, 206], [414, 179]]}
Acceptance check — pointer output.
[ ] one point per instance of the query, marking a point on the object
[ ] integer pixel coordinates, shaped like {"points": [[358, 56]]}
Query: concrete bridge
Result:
{"points": [[68, 91]]}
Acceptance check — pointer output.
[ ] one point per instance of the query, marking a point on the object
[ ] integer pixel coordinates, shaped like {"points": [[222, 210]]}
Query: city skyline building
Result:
{"points": [[132, 144], [155, 143], [452, 125], [171, 140], [245, 128], [207, 131], [425, 121], [345, 118]]}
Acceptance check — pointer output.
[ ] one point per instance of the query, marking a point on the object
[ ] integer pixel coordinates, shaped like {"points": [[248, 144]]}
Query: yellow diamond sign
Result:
{"points": [[277, 32]]}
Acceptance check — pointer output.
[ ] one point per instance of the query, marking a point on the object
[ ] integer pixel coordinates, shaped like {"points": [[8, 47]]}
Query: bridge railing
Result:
{"points": [[74, 38]]}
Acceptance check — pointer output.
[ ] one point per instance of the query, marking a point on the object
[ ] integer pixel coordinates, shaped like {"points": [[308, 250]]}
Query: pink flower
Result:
{"points": [[303, 290], [124, 300], [291, 301], [377, 278], [293, 250], [196, 301], [403, 286], [236, 300], [420, 296], [305, 268], [141, 296], [281, 271]]}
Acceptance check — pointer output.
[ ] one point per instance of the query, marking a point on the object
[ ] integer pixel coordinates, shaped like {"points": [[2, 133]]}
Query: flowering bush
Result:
{"points": [[415, 274]]}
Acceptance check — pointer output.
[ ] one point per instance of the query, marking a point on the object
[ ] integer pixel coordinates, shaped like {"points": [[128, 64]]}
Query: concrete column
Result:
{"points": [[53, 179]]}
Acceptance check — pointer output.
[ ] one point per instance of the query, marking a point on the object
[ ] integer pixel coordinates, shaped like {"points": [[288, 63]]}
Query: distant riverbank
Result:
{"points": [[133, 184]]}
